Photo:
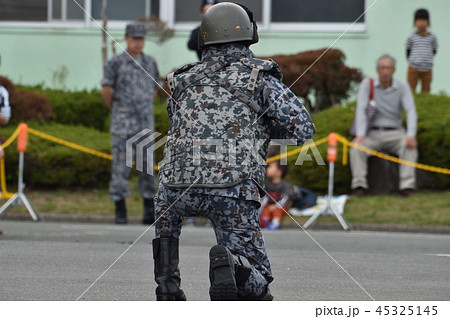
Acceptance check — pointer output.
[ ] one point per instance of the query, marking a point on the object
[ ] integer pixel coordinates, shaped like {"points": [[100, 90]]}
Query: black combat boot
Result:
{"points": [[227, 272], [265, 296], [243, 271], [121, 212], [149, 211], [222, 274], [167, 274]]}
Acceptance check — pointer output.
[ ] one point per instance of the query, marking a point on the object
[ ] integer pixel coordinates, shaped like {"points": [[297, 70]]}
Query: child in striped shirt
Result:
{"points": [[421, 47]]}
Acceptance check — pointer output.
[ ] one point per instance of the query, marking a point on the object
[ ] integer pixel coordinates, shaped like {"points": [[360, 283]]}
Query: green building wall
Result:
{"points": [[36, 55]]}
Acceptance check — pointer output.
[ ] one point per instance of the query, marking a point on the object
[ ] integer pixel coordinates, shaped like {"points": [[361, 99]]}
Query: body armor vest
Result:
{"points": [[215, 139]]}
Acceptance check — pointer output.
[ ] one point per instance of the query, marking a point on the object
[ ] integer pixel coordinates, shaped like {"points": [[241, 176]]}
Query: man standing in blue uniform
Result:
{"points": [[223, 112], [129, 86]]}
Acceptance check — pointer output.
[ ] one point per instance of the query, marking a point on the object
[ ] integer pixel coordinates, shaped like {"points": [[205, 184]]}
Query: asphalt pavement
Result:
{"points": [[70, 261]]}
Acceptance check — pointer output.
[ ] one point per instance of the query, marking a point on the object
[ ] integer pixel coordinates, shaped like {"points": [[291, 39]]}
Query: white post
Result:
{"points": [[329, 209], [19, 198]]}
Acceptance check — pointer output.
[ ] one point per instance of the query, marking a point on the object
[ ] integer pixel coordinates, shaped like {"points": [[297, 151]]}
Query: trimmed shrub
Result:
{"points": [[48, 164], [433, 143], [29, 106], [161, 117], [433, 133], [7, 84], [84, 108], [26, 105], [328, 78]]}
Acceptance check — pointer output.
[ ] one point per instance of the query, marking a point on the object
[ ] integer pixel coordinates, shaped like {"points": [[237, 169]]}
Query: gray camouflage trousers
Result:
{"points": [[235, 222], [120, 173]]}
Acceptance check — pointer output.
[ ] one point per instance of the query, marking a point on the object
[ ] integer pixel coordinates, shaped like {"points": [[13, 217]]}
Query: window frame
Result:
{"points": [[64, 23], [167, 13]]}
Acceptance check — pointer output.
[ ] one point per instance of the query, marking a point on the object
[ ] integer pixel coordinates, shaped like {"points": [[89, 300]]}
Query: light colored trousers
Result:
{"points": [[390, 141]]}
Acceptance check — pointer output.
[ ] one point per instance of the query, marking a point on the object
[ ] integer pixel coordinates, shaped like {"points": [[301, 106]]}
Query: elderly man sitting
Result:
{"points": [[384, 131]]}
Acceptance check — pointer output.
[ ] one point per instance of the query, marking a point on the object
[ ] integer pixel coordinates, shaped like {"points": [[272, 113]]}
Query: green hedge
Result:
{"points": [[433, 140], [84, 108], [80, 117], [49, 164], [52, 165]]}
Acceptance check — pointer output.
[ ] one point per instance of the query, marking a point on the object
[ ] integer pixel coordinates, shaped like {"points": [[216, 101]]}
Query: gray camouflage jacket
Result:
{"points": [[133, 82], [221, 123]]}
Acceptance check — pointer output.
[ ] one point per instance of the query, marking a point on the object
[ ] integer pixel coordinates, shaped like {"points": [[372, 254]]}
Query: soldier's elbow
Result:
{"points": [[311, 130], [307, 133]]}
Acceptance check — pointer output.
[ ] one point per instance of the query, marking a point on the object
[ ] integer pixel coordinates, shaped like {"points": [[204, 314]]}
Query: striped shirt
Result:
{"points": [[422, 49], [5, 108]]}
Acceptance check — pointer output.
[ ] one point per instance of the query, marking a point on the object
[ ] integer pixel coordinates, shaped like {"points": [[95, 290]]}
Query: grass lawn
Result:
{"points": [[425, 209]]}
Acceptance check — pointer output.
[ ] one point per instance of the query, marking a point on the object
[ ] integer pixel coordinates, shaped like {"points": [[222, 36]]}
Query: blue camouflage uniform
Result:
{"points": [[226, 189], [132, 112]]}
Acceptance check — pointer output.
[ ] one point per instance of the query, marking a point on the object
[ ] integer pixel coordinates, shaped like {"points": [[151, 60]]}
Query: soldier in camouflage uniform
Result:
{"points": [[223, 112], [129, 86]]}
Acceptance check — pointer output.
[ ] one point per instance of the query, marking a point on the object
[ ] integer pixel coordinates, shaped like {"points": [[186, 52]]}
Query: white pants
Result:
{"points": [[389, 141]]}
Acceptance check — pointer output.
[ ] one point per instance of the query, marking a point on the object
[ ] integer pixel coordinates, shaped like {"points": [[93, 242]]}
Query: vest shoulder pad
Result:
{"points": [[269, 66], [170, 78], [186, 67]]}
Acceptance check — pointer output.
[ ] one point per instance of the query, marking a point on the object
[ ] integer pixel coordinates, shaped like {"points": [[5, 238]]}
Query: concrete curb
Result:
{"points": [[286, 224], [383, 228]]}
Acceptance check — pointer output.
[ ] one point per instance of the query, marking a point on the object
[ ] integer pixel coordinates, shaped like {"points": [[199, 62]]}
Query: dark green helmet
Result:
{"points": [[228, 22]]}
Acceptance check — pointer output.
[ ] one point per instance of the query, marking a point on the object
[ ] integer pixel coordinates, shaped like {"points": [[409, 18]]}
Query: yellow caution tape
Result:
{"points": [[346, 144], [5, 194], [11, 138], [394, 159], [344, 154], [297, 150], [74, 146], [69, 144]]}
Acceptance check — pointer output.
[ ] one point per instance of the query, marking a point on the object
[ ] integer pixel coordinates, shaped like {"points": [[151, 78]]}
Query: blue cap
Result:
{"points": [[136, 30]]}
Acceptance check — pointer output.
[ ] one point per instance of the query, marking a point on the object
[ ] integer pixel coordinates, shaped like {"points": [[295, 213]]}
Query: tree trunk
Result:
{"points": [[333, 100], [308, 103], [113, 47], [317, 104], [104, 33]]}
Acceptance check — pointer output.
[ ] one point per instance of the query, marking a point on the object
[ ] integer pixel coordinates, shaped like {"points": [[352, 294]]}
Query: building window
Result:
{"points": [[317, 11], [75, 12], [116, 10], [189, 10], [23, 10], [64, 10], [256, 6], [154, 8], [272, 15], [120, 10], [286, 15]]}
